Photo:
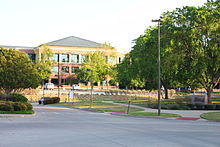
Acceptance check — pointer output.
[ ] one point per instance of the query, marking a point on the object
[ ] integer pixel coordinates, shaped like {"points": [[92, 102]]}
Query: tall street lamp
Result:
{"points": [[159, 88]]}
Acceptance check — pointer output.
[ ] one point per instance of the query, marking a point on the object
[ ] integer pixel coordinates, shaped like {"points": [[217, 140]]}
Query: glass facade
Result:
{"points": [[65, 69], [111, 60], [64, 58], [74, 69], [32, 57], [55, 58], [74, 58], [54, 68], [83, 58]]}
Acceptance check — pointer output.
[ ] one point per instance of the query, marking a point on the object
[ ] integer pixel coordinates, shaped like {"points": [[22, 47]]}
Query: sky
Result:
{"points": [[118, 22]]}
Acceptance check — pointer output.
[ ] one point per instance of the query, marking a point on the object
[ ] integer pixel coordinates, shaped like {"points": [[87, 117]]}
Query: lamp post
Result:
{"points": [[91, 95], [159, 88], [59, 76]]}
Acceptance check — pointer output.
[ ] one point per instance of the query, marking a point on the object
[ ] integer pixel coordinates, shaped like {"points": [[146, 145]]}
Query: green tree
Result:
{"points": [[127, 74], [44, 62], [195, 40], [17, 72], [94, 69]]}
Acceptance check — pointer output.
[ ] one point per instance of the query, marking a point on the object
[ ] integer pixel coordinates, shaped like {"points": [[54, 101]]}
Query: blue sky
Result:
{"points": [[118, 22]]}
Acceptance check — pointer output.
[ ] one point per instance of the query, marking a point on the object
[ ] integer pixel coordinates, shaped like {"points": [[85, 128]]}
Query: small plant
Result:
{"points": [[19, 97]]}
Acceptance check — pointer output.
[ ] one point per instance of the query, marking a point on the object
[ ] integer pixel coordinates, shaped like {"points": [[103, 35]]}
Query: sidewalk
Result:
{"points": [[190, 114]]}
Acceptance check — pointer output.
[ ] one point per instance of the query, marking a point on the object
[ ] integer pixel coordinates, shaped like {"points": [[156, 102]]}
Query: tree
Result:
{"points": [[94, 69], [195, 40], [44, 63], [127, 74], [17, 72]]}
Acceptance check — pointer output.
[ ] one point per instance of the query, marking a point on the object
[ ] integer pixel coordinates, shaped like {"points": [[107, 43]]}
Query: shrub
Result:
{"points": [[23, 106], [6, 107], [210, 107], [17, 107], [6, 97], [199, 106], [29, 106], [19, 97], [217, 107]]}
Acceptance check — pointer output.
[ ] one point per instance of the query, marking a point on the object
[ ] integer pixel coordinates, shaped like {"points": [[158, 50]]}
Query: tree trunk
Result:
{"points": [[208, 92], [166, 93]]}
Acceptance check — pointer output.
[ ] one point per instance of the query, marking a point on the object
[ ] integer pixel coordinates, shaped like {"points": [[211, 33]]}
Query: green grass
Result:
{"points": [[211, 116], [153, 114], [17, 112], [99, 106]]}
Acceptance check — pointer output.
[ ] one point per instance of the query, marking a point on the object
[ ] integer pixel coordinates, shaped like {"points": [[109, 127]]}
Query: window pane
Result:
{"points": [[55, 69], [75, 58], [32, 57], [65, 69], [74, 69], [64, 58], [55, 58], [83, 57], [111, 60]]}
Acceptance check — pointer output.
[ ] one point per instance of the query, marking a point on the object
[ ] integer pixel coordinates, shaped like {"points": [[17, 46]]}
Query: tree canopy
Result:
{"points": [[44, 63], [190, 52], [17, 72]]}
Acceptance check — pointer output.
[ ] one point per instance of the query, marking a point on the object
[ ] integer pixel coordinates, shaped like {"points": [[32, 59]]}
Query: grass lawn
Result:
{"points": [[153, 114], [17, 112], [98, 106], [211, 116]]}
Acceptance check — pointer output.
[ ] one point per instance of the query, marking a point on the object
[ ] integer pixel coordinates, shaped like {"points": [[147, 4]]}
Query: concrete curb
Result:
{"points": [[18, 115]]}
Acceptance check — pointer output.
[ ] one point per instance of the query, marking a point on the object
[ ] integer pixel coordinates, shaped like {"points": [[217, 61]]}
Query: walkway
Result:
{"points": [[186, 114]]}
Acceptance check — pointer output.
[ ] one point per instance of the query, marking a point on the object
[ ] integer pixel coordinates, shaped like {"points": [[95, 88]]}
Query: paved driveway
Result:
{"points": [[62, 127]]}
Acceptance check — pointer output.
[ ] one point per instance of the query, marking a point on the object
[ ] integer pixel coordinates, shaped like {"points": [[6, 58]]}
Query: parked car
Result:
{"points": [[75, 86], [41, 101], [49, 86]]}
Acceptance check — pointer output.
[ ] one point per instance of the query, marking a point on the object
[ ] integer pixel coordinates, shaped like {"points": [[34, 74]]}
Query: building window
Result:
{"points": [[54, 68], [65, 69], [74, 69], [83, 58], [111, 60], [32, 57], [75, 58], [64, 58], [55, 58]]}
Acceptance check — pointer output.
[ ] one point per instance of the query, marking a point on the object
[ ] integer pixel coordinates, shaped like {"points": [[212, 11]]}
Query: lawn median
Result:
{"points": [[152, 114], [99, 106], [211, 116]]}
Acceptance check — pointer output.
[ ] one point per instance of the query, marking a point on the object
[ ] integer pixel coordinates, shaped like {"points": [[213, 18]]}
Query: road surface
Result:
{"points": [[64, 127]]}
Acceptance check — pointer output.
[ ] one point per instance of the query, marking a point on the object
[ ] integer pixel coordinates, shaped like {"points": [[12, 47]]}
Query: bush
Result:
{"points": [[217, 107], [6, 107], [6, 97], [210, 107], [17, 107], [14, 106], [14, 97], [19, 97], [29, 106]]}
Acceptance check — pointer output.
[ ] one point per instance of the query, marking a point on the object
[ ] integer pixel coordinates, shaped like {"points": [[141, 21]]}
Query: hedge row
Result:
{"points": [[14, 97], [177, 106], [15, 106]]}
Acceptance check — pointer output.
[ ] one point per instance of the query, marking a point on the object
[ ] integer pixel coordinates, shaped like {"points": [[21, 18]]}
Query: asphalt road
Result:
{"points": [[52, 127]]}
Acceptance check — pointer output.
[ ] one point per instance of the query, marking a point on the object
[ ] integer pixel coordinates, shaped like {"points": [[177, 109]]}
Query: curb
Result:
{"points": [[18, 115]]}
